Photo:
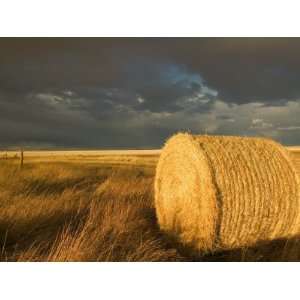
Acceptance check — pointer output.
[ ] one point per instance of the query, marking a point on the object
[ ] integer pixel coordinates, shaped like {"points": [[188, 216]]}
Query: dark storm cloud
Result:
{"points": [[135, 92], [240, 69]]}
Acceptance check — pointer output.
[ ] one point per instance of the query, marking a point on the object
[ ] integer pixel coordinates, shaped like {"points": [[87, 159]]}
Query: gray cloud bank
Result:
{"points": [[134, 93]]}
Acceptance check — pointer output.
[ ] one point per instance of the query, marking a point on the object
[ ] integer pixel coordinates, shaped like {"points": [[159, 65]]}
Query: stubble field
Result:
{"points": [[97, 206]]}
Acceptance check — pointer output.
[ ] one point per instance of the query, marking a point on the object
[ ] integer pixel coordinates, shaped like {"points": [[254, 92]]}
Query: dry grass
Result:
{"points": [[104, 157], [220, 193], [58, 211], [69, 212]]}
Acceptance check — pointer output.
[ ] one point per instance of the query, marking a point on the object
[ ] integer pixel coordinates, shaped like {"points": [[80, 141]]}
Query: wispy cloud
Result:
{"points": [[289, 128]]}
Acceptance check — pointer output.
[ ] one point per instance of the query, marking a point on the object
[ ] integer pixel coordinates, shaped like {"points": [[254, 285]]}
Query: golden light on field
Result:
{"points": [[97, 206]]}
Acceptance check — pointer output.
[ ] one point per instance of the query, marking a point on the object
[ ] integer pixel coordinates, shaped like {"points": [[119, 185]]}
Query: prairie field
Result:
{"points": [[97, 206]]}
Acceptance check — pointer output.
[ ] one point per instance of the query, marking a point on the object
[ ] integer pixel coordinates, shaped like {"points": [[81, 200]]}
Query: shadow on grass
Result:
{"points": [[264, 251], [39, 186], [278, 250], [16, 237]]}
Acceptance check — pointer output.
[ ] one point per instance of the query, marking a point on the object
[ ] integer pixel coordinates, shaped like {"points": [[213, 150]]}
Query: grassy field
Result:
{"points": [[97, 206]]}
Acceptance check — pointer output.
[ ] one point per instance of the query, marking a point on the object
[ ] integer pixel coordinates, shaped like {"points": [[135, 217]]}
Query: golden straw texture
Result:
{"points": [[218, 192]]}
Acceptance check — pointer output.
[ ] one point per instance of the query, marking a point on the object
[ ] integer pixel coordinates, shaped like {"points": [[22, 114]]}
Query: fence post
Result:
{"points": [[21, 158]]}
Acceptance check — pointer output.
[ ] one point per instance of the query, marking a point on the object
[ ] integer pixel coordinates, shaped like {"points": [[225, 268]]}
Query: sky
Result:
{"points": [[136, 92]]}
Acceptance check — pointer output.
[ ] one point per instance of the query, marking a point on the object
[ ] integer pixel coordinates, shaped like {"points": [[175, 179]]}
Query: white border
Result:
{"points": [[149, 18], [149, 281]]}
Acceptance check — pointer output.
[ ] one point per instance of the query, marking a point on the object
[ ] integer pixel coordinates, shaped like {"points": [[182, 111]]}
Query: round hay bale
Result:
{"points": [[220, 192]]}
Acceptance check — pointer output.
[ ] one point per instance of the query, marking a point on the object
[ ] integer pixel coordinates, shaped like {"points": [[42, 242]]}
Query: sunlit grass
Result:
{"points": [[62, 211]]}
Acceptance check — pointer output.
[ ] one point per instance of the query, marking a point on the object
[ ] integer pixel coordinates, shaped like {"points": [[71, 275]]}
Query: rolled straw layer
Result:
{"points": [[217, 192]]}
